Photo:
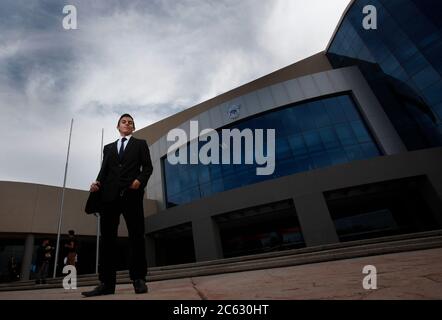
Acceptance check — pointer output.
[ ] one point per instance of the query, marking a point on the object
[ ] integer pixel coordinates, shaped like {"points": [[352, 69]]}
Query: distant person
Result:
{"points": [[44, 256], [14, 274], [71, 248], [124, 173]]}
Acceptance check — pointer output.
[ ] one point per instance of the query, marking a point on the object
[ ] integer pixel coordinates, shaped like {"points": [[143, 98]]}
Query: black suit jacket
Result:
{"points": [[117, 175]]}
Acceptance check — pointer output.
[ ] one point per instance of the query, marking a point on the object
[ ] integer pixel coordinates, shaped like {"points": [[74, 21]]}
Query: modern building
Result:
{"points": [[358, 148]]}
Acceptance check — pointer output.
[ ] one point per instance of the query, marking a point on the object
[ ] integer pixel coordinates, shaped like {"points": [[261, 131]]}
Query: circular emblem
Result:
{"points": [[234, 111]]}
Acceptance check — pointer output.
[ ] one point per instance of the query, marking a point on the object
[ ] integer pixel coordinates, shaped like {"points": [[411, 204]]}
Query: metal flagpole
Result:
{"points": [[98, 214], [60, 218]]}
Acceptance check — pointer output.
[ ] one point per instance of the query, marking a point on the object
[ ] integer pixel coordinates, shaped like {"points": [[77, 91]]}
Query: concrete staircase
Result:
{"points": [[338, 251]]}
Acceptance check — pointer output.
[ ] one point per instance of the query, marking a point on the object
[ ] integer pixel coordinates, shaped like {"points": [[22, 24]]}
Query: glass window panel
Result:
{"points": [[290, 122], [173, 186], [184, 176], [433, 55], [405, 50], [370, 150], [321, 159], [215, 171], [230, 182], [389, 64], [345, 134], [206, 190], [414, 64], [329, 138], [381, 52], [172, 180], [304, 163], [283, 150], [217, 185], [335, 111], [273, 121], [204, 173], [297, 144], [400, 74], [193, 174], [286, 167], [360, 131], [426, 77], [227, 169], [306, 119], [354, 153], [191, 194], [313, 141], [320, 115], [349, 108], [433, 94], [438, 111], [243, 178], [337, 156]]}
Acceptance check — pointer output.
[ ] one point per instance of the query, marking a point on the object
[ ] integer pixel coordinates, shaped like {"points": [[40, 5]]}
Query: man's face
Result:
{"points": [[126, 126]]}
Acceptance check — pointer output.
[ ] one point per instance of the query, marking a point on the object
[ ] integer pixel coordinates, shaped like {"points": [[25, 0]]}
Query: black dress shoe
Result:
{"points": [[140, 286], [101, 290]]}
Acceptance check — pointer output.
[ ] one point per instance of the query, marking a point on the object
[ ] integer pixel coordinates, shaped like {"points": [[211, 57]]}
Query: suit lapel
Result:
{"points": [[114, 151]]}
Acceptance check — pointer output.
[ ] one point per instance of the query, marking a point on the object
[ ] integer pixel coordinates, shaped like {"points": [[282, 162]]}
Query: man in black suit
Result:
{"points": [[124, 173]]}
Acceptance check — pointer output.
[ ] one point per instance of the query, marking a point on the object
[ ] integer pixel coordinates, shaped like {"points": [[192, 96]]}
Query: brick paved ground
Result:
{"points": [[407, 275]]}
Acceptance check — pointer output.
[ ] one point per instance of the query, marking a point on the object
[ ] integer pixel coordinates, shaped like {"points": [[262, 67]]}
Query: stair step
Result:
{"points": [[347, 250]]}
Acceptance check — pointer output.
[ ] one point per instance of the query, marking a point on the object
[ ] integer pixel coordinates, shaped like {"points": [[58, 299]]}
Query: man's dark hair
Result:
{"points": [[71, 232], [126, 115]]}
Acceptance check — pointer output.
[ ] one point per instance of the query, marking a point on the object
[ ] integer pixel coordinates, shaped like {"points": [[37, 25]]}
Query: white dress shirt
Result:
{"points": [[125, 143]]}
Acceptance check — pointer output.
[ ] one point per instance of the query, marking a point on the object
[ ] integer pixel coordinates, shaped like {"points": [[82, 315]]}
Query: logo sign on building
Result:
{"points": [[233, 111]]}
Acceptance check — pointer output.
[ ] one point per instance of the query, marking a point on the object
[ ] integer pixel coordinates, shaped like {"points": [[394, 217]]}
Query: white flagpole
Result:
{"points": [[98, 215], [60, 218]]}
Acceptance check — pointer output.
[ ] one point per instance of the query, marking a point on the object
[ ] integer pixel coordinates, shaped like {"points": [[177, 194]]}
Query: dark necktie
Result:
{"points": [[121, 152]]}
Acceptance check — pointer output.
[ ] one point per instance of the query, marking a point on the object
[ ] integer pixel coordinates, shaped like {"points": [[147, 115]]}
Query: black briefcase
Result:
{"points": [[93, 203]]}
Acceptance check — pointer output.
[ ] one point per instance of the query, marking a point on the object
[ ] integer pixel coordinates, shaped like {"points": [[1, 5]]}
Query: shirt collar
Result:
{"points": [[127, 137]]}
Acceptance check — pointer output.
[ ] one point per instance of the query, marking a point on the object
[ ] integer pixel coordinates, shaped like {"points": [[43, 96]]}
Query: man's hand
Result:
{"points": [[135, 185], [95, 186]]}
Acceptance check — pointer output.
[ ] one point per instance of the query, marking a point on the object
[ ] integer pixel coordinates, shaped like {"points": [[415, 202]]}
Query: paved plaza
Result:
{"points": [[406, 275]]}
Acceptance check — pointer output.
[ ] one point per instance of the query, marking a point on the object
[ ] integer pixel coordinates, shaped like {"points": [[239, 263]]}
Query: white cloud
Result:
{"points": [[151, 58]]}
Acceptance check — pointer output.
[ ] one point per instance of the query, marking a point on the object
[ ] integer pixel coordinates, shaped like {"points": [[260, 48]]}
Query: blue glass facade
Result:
{"points": [[309, 135], [401, 60]]}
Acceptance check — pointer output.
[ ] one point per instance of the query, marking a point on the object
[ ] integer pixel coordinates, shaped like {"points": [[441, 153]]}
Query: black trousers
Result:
{"points": [[130, 204]]}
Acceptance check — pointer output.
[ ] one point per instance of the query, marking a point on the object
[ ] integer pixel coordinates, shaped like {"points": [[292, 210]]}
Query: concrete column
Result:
{"points": [[432, 193], [436, 182], [316, 224], [150, 251], [27, 257], [206, 239]]}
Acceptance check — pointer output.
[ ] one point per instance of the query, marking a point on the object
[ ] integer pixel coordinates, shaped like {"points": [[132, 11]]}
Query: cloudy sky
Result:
{"points": [[150, 58]]}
